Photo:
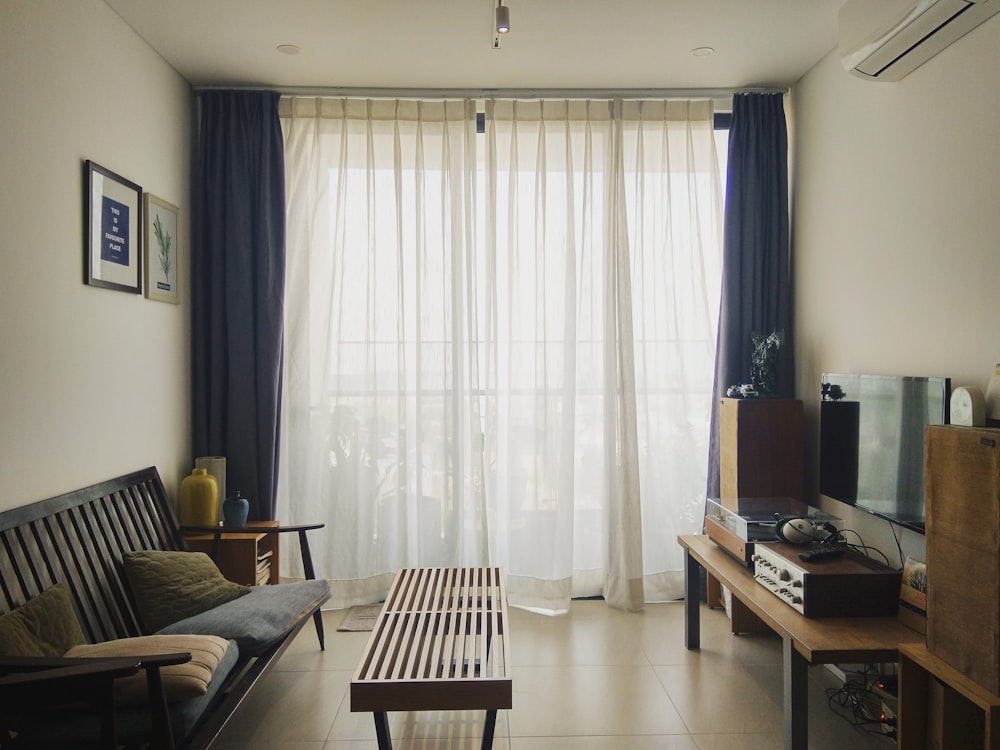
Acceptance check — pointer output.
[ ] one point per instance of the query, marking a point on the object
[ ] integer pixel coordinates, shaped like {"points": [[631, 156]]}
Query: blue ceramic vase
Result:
{"points": [[235, 509]]}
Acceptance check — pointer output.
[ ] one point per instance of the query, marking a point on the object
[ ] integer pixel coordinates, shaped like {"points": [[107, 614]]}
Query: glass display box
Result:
{"points": [[737, 525]]}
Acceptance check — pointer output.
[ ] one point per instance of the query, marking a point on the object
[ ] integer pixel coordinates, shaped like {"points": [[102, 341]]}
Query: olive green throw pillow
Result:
{"points": [[169, 586], [46, 625]]}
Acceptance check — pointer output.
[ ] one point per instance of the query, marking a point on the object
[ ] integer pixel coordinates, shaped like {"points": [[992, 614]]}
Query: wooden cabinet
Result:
{"points": [[962, 486], [948, 689], [940, 708], [760, 448], [250, 557]]}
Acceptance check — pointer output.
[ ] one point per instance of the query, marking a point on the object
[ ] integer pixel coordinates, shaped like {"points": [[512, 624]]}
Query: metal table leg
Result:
{"points": [[692, 602], [489, 729], [382, 730], [796, 697], [310, 573]]}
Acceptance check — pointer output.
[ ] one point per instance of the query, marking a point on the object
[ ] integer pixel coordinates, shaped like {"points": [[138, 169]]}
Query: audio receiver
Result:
{"points": [[847, 585]]}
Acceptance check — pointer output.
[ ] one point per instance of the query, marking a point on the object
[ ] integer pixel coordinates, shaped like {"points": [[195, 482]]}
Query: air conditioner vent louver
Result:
{"points": [[887, 39]]}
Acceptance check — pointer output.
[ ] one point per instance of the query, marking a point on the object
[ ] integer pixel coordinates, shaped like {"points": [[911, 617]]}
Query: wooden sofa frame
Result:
{"points": [[78, 539]]}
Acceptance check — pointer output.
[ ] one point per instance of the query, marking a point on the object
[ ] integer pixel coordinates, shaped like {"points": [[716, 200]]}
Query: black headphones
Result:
{"points": [[805, 530]]}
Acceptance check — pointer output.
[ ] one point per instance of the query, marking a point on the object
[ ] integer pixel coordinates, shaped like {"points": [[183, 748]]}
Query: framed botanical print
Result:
{"points": [[162, 253]]}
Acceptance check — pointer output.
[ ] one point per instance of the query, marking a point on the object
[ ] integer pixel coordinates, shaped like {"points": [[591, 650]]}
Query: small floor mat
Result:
{"points": [[360, 618]]}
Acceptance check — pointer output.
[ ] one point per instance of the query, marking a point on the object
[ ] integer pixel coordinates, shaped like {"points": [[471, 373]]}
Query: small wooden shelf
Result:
{"points": [[250, 557], [939, 707]]}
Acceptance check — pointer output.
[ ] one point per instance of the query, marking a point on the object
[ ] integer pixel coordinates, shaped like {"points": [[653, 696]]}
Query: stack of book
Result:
{"points": [[264, 567]]}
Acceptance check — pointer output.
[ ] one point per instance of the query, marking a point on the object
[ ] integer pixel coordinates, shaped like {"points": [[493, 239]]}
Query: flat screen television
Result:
{"points": [[871, 445]]}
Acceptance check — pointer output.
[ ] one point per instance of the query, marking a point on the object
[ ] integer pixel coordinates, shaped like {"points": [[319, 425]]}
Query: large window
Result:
{"points": [[499, 345]]}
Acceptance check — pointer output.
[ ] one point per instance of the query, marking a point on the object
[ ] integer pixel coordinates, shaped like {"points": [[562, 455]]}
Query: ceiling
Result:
{"points": [[553, 44]]}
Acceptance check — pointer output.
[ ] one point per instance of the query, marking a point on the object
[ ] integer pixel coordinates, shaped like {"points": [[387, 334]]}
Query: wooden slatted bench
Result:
{"points": [[440, 643]]}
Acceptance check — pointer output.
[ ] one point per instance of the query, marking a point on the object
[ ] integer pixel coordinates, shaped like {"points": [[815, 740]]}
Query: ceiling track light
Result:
{"points": [[502, 16]]}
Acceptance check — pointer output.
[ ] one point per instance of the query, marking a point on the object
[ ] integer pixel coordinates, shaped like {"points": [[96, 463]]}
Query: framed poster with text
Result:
{"points": [[112, 231]]}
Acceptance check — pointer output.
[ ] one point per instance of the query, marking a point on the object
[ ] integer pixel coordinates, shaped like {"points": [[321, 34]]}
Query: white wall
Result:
{"points": [[93, 382], [896, 229]]}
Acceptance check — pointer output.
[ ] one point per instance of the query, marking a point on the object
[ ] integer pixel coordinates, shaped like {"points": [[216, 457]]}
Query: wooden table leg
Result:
{"points": [[692, 601], [796, 697], [382, 730]]}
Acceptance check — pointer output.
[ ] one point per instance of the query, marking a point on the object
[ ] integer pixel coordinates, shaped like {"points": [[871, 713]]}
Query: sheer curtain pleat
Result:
{"points": [[499, 345], [381, 407]]}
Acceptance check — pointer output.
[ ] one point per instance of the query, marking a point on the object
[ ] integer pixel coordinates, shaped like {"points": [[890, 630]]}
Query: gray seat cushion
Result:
{"points": [[259, 619]]}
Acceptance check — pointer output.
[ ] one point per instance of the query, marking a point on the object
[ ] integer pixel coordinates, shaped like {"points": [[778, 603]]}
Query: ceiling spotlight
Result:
{"points": [[702, 51], [502, 18]]}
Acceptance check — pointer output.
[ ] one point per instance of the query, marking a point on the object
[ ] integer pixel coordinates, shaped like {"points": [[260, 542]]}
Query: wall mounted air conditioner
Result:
{"points": [[886, 39]]}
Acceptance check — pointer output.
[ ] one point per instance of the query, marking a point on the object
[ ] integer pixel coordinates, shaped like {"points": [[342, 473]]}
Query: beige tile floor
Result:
{"points": [[595, 678]]}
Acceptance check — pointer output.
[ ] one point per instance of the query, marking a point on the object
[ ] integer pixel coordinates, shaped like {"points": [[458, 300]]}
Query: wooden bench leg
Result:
{"points": [[162, 733], [382, 730], [488, 730], [106, 708]]}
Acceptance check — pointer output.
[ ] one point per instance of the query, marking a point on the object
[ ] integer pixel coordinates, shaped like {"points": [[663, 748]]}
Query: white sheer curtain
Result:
{"points": [[499, 346]]}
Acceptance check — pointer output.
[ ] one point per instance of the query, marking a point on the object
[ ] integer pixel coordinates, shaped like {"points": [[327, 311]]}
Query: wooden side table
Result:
{"points": [[249, 555]]}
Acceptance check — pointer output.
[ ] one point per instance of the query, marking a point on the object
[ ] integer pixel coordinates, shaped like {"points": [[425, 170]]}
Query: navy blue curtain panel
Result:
{"points": [[756, 263], [238, 286]]}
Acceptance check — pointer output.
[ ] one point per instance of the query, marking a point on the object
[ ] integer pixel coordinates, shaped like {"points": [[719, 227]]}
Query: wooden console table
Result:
{"points": [[806, 641]]}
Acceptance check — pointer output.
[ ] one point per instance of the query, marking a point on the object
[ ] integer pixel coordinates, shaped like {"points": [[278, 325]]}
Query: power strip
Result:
{"points": [[886, 688]]}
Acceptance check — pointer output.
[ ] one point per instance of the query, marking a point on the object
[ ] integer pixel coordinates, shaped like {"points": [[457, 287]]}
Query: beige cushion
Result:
{"points": [[180, 681], [46, 625], [168, 586]]}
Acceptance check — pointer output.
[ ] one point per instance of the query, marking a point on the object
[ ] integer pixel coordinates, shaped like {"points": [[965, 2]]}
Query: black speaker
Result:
{"points": [[838, 449]]}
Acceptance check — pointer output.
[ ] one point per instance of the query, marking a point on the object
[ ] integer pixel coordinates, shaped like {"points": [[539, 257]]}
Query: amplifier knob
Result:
{"points": [[785, 575], [797, 600]]}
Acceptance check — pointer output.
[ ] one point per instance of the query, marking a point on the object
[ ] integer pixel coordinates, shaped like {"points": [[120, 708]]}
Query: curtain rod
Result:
{"points": [[502, 93]]}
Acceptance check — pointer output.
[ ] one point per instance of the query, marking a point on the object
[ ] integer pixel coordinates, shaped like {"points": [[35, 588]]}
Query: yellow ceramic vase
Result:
{"points": [[199, 500]]}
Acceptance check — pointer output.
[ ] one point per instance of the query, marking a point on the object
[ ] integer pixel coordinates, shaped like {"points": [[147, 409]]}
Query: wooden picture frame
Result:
{"points": [[112, 230], [161, 249]]}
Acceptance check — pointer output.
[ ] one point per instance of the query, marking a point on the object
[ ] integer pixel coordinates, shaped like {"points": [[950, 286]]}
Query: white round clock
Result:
{"points": [[968, 407]]}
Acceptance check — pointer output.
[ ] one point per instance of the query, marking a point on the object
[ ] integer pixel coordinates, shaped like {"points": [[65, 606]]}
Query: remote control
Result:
{"points": [[821, 553]]}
